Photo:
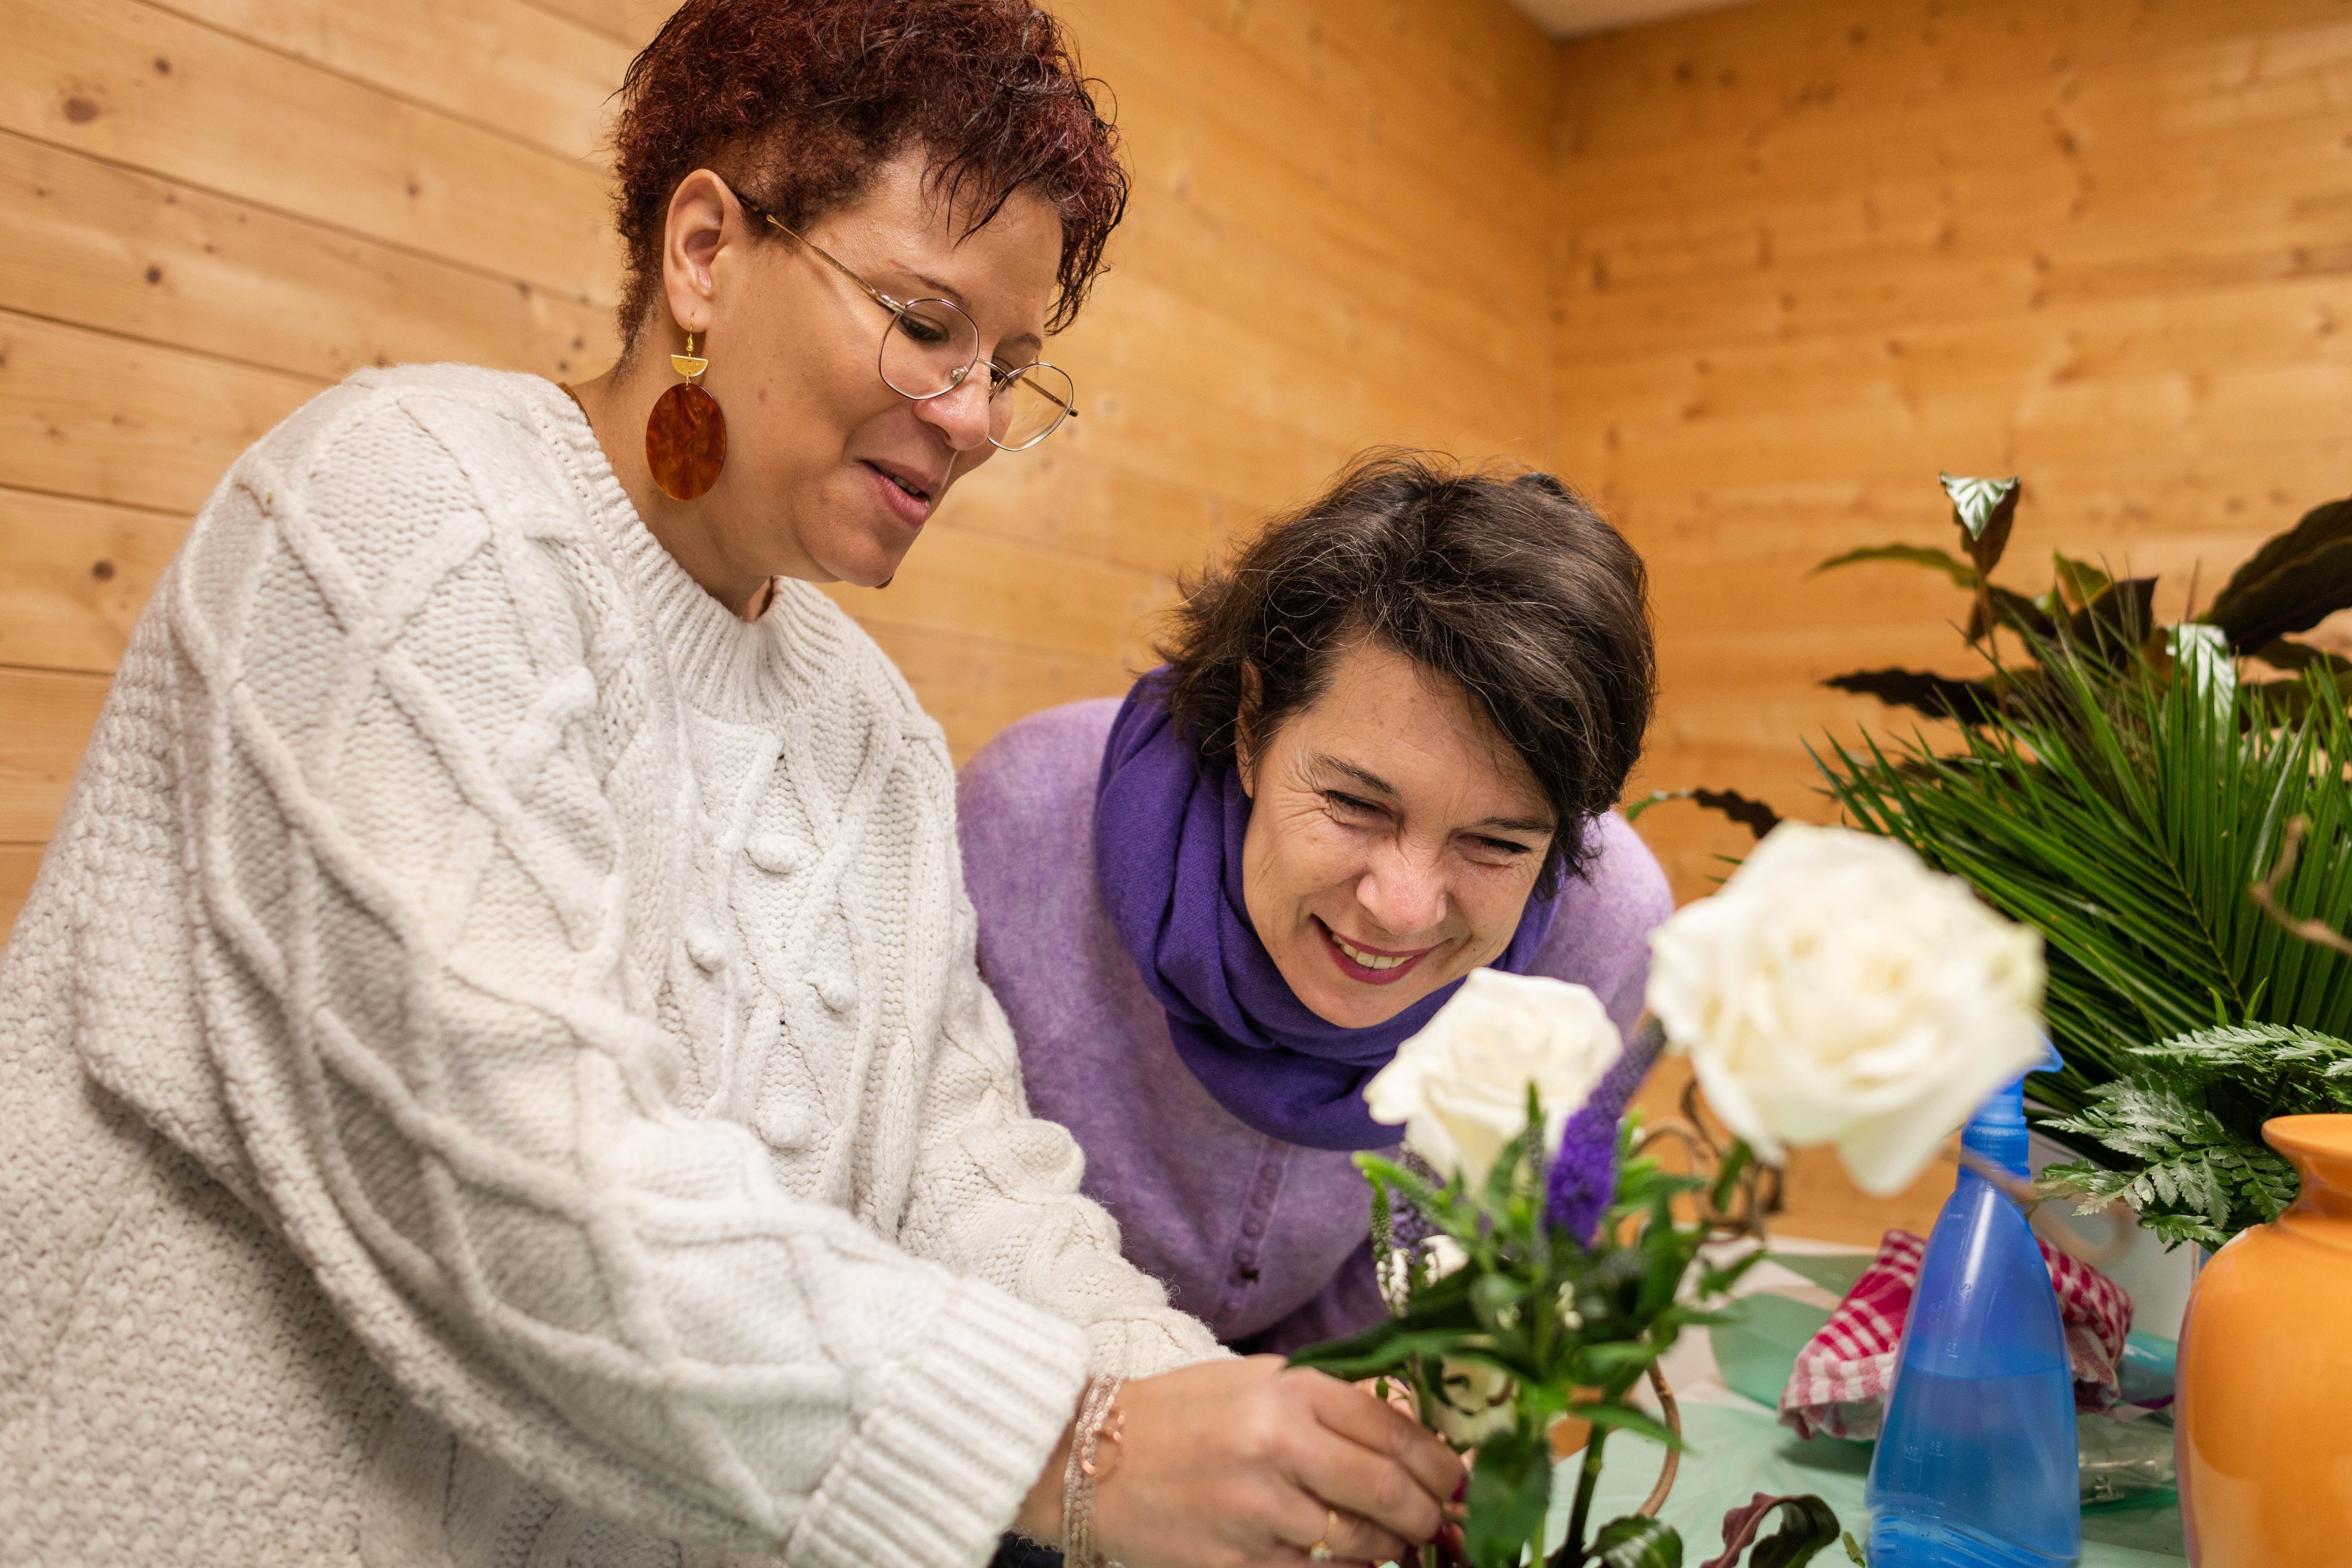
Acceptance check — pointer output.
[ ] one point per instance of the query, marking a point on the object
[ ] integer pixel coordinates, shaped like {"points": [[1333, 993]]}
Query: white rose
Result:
{"points": [[1837, 991], [1474, 1402], [1460, 1086]]}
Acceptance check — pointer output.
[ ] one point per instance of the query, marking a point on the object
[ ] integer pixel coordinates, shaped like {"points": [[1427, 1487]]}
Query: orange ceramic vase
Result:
{"points": [[2264, 1421]]}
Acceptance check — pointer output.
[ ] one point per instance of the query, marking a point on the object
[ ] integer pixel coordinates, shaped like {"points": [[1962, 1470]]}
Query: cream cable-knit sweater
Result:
{"points": [[493, 1034]]}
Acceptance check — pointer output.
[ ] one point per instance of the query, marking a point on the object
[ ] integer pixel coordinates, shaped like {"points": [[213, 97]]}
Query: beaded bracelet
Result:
{"points": [[1099, 1421]]}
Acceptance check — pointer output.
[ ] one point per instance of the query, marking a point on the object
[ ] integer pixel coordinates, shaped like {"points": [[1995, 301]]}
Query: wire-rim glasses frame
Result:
{"points": [[1037, 379]]}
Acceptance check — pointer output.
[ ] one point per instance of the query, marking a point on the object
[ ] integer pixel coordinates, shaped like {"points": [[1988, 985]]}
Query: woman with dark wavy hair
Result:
{"points": [[494, 1064], [1383, 752]]}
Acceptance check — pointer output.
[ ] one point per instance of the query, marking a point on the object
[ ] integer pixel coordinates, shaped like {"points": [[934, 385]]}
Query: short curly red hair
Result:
{"points": [[796, 102]]}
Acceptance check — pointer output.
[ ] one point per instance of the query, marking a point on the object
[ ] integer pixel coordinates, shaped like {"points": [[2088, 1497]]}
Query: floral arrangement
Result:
{"points": [[1835, 991], [2118, 784]]}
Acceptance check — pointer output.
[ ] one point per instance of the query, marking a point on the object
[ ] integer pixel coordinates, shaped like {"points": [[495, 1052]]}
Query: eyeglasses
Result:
{"points": [[931, 347]]}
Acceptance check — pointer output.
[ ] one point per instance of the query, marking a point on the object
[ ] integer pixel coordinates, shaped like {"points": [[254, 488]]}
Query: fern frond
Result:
{"points": [[2183, 1164], [2250, 1045]]}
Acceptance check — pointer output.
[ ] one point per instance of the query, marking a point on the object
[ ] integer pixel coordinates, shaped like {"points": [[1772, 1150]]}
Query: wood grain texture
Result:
{"points": [[83, 414], [155, 91], [74, 576], [987, 685], [535, 75], [1810, 252], [1751, 279], [91, 243], [632, 23], [211, 209], [19, 863], [49, 716]]}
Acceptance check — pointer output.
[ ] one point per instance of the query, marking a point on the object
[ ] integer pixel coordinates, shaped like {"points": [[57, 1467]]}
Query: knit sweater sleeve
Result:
{"points": [[416, 729], [998, 1193]]}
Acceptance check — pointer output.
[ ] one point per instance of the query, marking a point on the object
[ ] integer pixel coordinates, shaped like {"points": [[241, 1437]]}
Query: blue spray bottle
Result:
{"points": [[1976, 1463]]}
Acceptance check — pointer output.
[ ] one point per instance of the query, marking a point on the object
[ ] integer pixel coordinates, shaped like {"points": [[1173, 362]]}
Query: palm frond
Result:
{"points": [[2125, 815]]}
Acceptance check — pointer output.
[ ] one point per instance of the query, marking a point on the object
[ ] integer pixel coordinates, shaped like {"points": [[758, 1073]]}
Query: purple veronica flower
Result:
{"points": [[1584, 1174]]}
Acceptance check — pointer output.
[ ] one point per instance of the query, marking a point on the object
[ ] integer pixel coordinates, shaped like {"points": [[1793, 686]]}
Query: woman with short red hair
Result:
{"points": [[496, 1069]]}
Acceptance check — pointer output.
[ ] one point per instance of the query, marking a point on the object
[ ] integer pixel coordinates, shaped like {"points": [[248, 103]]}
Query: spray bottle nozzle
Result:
{"points": [[1997, 1131]]}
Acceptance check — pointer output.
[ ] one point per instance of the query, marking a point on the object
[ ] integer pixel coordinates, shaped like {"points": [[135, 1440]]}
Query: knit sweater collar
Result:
{"points": [[725, 666]]}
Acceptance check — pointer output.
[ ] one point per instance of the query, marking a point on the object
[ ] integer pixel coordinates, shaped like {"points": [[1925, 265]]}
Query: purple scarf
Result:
{"points": [[1168, 862]]}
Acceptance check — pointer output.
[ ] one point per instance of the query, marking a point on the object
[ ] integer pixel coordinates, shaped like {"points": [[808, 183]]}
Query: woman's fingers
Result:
{"points": [[1351, 1413], [1354, 1480], [1351, 1537]]}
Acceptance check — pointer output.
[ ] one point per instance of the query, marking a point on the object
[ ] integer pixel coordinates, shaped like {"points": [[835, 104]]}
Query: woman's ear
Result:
{"points": [[690, 235], [1246, 729]]}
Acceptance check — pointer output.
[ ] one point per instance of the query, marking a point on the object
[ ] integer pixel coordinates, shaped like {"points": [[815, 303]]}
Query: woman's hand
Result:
{"points": [[1238, 1464]]}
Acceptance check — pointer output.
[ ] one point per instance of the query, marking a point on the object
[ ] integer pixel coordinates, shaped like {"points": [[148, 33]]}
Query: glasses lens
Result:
{"points": [[1027, 405], [929, 348]]}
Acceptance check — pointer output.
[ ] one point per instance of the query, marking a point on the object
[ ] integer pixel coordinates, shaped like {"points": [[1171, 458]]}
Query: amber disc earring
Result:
{"points": [[686, 438]]}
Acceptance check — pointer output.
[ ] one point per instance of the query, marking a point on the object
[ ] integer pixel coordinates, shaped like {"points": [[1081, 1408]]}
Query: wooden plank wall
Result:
{"points": [[1332, 244], [1812, 251], [211, 209], [1798, 256]]}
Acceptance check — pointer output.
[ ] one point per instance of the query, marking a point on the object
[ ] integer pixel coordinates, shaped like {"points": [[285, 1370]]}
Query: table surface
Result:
{"points": [[1738, 1448]]}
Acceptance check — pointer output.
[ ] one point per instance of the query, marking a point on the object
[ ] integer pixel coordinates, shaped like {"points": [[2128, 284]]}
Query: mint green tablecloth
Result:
{"points": [[1739, 1449], [1735, 1453]]}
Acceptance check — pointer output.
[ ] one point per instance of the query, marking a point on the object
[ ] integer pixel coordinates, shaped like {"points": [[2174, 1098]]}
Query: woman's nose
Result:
{"points": [[1404, 896], [962, 413]]}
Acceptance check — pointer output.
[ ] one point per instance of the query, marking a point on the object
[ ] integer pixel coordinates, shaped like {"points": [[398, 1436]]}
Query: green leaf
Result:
{"points": [[1984, 510], [1962, 574], [2295, 581], [2035, 619], [1510, 1164], [1496, 1299], [1806, 1525], [1637, 1541], [1596, 1364], [1726, 1179], [2124, 815], [1510, 1487], [1715, 1281], [1626, 1418], [1386, 1348], [2079, 582]]}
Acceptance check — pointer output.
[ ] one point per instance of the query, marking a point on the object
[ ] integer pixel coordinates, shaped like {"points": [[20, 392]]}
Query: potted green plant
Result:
{"points": [[2120, 784]]}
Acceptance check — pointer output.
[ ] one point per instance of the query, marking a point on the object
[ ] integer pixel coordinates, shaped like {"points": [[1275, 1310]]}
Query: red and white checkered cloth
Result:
{"points": [[1840, 1382]]}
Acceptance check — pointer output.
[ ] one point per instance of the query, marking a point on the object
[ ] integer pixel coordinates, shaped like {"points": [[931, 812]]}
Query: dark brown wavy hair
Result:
{"points": [[1509, 586], [797, 102]]}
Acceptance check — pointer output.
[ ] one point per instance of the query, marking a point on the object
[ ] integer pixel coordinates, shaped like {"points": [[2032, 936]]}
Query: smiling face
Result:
{"points": [[830, 474], [1393, 839]]}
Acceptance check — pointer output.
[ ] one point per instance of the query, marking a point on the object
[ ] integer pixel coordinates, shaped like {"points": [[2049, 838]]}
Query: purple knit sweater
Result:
{"points": [[1265, 1242]]}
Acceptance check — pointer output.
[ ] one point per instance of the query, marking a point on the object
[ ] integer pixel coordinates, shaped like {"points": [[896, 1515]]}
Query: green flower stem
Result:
{"points": [[1417, 1378], [1572, 1551]]}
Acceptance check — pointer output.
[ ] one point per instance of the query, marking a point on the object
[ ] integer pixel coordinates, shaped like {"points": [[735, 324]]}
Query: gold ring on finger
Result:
{"points": [[1321, 1550]]}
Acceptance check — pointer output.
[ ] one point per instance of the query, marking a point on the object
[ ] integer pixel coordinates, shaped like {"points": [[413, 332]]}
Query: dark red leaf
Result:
{"points": [[2116, 622], [1810, 1524], [1753, 815], [2294, 582], [1937, 696]]}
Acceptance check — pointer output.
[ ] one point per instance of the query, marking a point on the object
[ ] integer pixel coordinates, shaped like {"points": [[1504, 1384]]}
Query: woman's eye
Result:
{"points": [[922, 328], [1509, 848], [1349, 805]]}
